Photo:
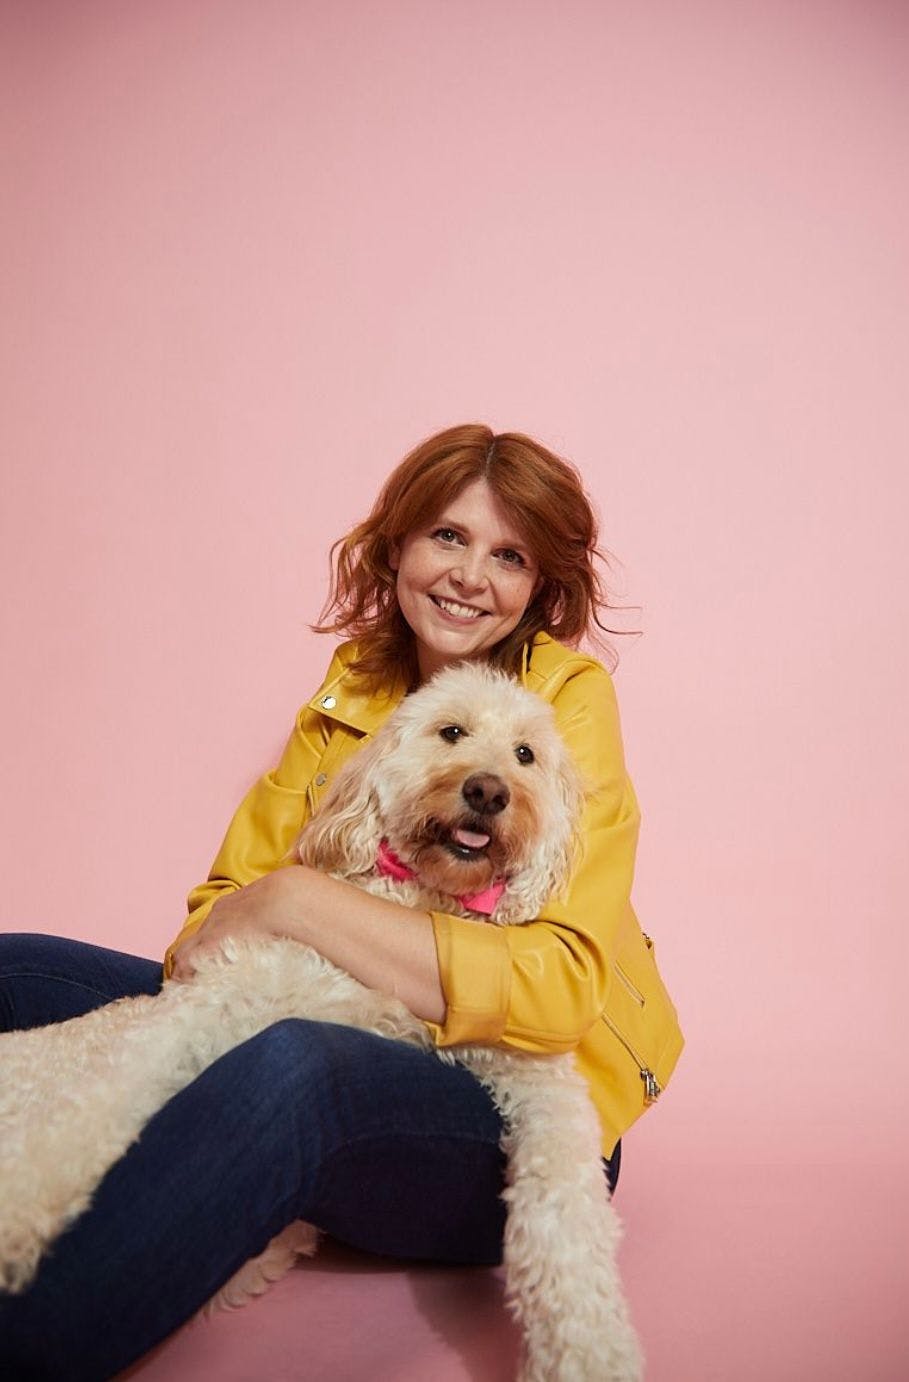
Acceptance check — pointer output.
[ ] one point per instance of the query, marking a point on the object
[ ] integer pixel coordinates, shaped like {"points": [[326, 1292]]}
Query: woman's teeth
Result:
{"points": [[459, 611]]}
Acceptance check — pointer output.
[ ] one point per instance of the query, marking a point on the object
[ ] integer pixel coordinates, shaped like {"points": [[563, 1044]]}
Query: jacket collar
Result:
{"points": [[344, 698]]}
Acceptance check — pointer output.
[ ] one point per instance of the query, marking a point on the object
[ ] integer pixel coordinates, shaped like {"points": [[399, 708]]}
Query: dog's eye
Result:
{"points": [[524, 753], [452, 733]]}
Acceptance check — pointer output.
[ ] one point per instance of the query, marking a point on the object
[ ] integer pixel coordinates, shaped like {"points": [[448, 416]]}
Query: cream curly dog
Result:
{"points": [[464, 801]]}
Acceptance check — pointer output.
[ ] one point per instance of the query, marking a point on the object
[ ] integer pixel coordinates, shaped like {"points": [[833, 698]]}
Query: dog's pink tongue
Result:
{"points": [[470, 839]]}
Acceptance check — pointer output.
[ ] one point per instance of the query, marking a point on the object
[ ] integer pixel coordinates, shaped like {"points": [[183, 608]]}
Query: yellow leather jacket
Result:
{"points": [[582, 977]]}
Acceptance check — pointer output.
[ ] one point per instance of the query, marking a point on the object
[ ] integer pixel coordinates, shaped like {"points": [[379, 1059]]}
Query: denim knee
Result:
{"points": [[297, 1056], [312, 1065], [340, 1084], [28, 947], [292, 1074]]}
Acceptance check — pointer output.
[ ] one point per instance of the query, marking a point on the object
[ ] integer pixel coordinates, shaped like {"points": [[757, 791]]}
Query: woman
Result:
{"points": [[480, 547]]}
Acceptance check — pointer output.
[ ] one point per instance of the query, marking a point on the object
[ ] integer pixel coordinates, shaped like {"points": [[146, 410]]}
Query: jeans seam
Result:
{"points": [[55, 978]]}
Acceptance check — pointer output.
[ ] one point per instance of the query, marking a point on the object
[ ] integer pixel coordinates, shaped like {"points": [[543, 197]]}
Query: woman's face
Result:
{"points": [[464, 580]]}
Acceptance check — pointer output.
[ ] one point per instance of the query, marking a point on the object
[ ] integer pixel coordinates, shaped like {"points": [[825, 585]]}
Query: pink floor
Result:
{"points": [[735, 1274]]}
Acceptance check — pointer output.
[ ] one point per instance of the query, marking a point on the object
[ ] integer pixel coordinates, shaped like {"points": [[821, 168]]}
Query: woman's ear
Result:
{"points": [[394, 555]]}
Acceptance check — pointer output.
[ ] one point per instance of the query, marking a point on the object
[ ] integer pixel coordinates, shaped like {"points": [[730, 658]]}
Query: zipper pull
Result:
{"points": [[652, 1090]]}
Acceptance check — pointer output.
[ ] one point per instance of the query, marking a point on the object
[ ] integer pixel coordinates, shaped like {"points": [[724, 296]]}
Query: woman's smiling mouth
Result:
{"points": [[455, 610]]}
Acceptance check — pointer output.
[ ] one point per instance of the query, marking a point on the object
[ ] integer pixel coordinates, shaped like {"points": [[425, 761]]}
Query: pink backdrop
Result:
{"points": [[251, 253]]}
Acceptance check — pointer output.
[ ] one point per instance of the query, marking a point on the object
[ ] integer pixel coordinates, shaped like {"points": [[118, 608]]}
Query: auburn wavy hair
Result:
{"points": [[544, 498]]}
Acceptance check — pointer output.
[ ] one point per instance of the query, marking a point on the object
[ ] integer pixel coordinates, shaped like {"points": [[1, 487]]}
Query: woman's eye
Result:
{"points": [[446, 534], [524, 754], [511, 557], [452, 733]]}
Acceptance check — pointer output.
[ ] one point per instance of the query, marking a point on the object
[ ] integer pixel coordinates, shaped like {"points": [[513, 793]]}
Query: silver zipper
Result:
{"points": [[652, 1088], [632, 989]]}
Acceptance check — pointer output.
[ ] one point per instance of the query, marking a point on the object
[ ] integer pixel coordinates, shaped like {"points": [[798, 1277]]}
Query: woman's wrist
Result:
{"points": [[301, 902]]}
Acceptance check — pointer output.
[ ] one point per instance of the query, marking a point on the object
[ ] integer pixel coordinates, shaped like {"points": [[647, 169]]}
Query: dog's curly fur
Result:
{"points": [[76, 1094]]}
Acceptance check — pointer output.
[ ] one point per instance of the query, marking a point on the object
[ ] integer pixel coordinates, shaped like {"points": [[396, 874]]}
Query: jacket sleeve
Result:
{"points": [[264, 826], [541, 986]]}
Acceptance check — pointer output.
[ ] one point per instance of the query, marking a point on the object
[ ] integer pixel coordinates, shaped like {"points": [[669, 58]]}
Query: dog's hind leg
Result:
{"points": [[74, 1096]]}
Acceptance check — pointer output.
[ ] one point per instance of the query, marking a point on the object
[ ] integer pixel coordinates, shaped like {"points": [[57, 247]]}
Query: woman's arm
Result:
{"points": [[386, 946]]}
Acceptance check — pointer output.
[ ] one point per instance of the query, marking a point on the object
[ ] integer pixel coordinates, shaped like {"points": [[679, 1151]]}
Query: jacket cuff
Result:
{"points": [[478, 1000]]}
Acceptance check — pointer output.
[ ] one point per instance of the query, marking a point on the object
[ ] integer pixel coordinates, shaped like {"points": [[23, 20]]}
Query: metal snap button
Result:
{"points": [[328, 702], [321, 779]]}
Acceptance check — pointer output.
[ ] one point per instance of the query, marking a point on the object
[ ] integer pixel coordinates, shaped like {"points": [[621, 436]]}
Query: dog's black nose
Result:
{"points": [[485, 794]]}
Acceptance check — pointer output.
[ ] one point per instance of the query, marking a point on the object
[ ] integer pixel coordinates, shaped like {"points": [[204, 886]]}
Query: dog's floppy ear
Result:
{"points": [[343, 836], [559, 851], [568, 842]]}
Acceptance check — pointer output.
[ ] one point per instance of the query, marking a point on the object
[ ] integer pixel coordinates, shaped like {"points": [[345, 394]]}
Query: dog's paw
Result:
{"points": [[20, 1252]]}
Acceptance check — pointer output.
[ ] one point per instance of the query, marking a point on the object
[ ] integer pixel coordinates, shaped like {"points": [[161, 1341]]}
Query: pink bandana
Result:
{"points": [[390, 866]]}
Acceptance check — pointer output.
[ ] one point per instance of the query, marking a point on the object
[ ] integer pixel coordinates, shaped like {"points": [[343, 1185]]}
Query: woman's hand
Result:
{"points": [[259, 909]]}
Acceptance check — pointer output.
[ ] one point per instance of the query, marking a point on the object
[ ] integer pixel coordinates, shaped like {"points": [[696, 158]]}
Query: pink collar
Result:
{"points": [[390, 866]]}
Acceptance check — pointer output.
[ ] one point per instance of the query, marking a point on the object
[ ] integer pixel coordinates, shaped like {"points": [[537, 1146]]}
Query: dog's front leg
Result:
{"points": [[562, 1233]]}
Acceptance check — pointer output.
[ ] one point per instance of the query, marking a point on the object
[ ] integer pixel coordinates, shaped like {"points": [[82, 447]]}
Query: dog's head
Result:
{"points": [[470, 783]]}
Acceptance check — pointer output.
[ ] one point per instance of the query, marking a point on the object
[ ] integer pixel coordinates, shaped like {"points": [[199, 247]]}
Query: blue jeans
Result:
{"points": [[381, 1145]]}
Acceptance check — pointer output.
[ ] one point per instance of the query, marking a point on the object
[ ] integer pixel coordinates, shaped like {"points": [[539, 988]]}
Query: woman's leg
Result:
{"points": [[51, 978]]}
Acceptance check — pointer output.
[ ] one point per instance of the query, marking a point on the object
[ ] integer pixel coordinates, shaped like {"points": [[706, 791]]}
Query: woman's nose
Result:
{"points": [[470, 571]]}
